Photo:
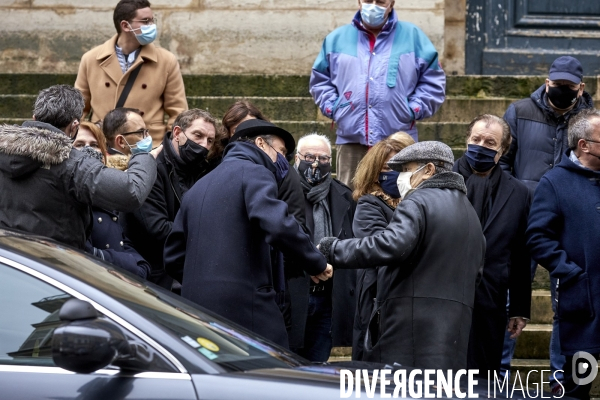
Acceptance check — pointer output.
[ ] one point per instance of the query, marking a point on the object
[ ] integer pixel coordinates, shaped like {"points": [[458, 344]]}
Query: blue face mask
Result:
{"points": [[388, 180], [147, 35], [283, 166], [372, 15], [480, 158], [143, 146]]}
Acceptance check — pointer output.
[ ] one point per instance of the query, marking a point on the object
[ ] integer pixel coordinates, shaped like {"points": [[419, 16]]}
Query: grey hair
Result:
{"points": [[314, 135], [58, 105], [266, 138], [440, 166], [580, 126]]}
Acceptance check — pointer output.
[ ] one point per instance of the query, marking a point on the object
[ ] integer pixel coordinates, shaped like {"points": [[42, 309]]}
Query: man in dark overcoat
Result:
{"points": [[502, 205], [220, 244], [434, 251], [563, 237], [322, 312]]}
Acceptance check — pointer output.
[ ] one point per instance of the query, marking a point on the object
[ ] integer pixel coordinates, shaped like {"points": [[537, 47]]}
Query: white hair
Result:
{"points": [[313, 135]]}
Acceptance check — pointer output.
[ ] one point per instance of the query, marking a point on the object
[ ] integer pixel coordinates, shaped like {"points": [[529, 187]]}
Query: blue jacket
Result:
{"points": [[220, 245], [539, 136], [563, 237], [373, 88]]}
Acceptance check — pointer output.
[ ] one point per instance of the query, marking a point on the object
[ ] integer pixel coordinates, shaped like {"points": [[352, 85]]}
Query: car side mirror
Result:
{"points": [[85, 343]]}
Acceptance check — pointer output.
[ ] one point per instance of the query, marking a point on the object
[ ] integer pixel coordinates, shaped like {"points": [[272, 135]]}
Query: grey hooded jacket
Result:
{"points": [[48, 188]]}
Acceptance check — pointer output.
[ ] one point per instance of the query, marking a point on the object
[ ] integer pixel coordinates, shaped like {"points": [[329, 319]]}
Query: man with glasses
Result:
{"points": [[130, 59], [538, 127], [563, 237], [181, 164], [323, 311], [126, 134], [48, 187]]}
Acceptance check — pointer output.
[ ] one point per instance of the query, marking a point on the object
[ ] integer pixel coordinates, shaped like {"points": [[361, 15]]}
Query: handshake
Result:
{"points": [[323, 276]]}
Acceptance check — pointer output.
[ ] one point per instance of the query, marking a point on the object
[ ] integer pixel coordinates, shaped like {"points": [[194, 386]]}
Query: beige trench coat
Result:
{"points": [[158, 89]]}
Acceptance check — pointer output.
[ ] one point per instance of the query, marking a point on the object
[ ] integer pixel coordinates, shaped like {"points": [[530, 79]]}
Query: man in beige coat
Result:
{"points": [[105, 70]]}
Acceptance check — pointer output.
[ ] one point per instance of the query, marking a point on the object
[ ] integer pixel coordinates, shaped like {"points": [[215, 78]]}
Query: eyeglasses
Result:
{"points": [[589, 140], [311, 158], [143, 131], [146, 21]]}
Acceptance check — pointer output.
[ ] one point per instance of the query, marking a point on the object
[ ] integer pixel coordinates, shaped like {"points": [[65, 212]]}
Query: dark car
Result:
{"points": [[72, 327]]}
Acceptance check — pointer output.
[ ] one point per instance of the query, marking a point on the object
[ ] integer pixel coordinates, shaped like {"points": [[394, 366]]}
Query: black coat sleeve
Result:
{"points": [[281, 229], [153, 215], [520, 270], [175, 247], [291, 192], [389, 246]]}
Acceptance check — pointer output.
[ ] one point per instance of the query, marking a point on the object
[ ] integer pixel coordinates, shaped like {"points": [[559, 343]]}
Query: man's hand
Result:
{"points": [[323, 276], [156, 151], [515, 326]]}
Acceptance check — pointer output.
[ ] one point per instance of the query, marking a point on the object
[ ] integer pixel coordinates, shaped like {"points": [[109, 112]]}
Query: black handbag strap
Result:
{"points": [[128, 86]]}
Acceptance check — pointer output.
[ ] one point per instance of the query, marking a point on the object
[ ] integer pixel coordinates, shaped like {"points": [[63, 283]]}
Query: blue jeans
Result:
{"points": [[509, 345], [317, 337], [507, 354], [557, 360]]}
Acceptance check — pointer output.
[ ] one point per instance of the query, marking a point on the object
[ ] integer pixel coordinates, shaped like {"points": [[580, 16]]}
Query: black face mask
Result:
{"points": [[319, 174], [191, 153], [563, 96]]}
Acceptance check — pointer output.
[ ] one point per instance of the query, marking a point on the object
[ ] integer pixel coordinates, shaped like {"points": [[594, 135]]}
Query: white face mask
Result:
{"points": [[403, 181]]}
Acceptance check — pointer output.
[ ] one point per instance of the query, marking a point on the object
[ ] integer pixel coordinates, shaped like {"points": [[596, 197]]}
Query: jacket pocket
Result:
{"points": [[574, 300]]}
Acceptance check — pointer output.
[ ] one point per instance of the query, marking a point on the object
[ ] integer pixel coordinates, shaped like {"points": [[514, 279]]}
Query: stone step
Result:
{"points": [[274, 108], [534, 342], [454, 110], [541, 307], [464, 109], [294, 85]]}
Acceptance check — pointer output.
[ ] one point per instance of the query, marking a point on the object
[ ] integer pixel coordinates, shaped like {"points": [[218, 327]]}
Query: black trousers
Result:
{"points": [[486, 339]]}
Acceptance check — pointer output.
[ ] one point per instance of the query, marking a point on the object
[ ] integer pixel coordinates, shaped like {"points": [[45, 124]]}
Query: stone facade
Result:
{"points": [[210, 36]]}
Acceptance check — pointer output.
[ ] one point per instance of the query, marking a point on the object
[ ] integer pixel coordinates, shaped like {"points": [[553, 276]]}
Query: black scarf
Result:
{"points": [[317, 196], [481, 190]]}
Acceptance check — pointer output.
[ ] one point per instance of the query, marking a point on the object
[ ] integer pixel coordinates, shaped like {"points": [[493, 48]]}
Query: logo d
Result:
{"points": [[581, 368]]}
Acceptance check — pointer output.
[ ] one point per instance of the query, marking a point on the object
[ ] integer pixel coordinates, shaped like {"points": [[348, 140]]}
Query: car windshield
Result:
{"points": [[226, 344]]}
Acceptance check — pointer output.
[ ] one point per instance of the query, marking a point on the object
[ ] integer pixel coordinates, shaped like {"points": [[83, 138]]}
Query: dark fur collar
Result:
{"points": [[42, 144]]}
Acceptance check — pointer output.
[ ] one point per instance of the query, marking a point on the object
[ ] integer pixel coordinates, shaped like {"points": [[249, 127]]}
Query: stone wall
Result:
{"points": [[208, 36]]}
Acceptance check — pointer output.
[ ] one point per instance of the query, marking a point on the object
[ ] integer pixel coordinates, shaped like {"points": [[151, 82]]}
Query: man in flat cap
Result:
{"points": [[233, 218], [434, 249]]}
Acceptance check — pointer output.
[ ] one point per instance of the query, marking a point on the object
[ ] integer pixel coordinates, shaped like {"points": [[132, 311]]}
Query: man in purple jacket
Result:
{"points": [[373, 77]]}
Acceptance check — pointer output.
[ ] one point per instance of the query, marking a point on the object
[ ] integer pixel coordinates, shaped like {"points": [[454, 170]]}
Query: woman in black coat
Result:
{"points": [[377, 196]]}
